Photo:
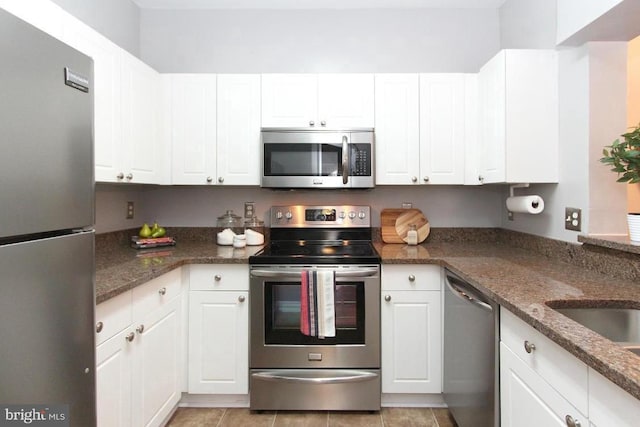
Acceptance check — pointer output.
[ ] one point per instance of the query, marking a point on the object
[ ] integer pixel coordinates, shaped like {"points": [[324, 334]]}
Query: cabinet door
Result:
{"points": [[156, 365], [106, 92], [609, 405], [113, 381], [193, 128], [526, 400], [345, 100], [411, 342], [238, 140], [491, 95], [289, 100], [218, 342], [397, 129], [442, 128], [141, 88]]}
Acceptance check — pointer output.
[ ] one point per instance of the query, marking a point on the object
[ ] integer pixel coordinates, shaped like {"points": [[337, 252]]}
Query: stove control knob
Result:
{"points": [[362, 215], [278, 215], [352, 214], [288, 215], [342, 214]]}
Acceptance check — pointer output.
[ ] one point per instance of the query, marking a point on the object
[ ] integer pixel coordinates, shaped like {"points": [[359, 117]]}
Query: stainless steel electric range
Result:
{"points": [[294, 371]]}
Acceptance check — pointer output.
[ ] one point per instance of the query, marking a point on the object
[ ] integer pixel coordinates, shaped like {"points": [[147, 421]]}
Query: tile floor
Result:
{"points": [[241, 417]]}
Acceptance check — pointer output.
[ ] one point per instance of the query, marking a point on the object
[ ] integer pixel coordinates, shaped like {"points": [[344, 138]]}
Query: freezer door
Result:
{"points": [[46, 135], [47, 353]]}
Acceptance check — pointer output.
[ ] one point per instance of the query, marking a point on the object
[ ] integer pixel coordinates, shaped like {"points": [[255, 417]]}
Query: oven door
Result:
{"points": [[276, 340], [317, 159]]}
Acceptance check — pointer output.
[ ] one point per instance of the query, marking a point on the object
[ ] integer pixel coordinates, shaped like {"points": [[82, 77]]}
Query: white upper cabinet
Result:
{"points": [[317, 100], [192, 100], [421, 127], [106, 93], [518, 117], [397, 129], [442, 128], [215, 128], [238, 135]]}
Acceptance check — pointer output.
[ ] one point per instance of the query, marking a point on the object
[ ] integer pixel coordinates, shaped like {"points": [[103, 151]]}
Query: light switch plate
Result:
{"points": [[573, 219]]}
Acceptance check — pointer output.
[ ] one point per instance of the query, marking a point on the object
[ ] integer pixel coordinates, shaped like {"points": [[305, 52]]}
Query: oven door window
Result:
{"points": [[282, 314], [302, 160]]}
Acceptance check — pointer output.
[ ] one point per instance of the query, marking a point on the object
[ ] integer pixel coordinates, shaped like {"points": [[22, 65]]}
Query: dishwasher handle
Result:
{"points": [[465, 291]]}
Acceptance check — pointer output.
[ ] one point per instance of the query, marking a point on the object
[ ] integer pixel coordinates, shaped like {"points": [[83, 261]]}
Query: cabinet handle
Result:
{"points": [[120, 176], [220, 180], [572, 422], [241, 298], [140, 329], [387, 298], [412, 278], [217, 277], [99, 327], [312, 123], [425, 179], [480, 178], [414, 179], [129, 176], [130, 336], [209, 179], [323, 123], [162, 291], [529, 346]]}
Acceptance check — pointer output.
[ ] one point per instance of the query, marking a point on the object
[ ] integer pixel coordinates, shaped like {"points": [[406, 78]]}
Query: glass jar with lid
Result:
{"points": [[254, 230], [231, 221]]}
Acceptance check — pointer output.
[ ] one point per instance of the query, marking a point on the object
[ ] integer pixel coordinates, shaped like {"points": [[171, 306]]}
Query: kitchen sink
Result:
{"points": [[620, 325]]}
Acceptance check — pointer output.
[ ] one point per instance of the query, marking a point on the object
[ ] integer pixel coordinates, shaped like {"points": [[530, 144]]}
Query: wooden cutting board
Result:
{"points": [[395, 224]]}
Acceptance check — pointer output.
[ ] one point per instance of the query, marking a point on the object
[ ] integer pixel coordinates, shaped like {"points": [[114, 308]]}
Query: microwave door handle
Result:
{"points": [[345, 159]]}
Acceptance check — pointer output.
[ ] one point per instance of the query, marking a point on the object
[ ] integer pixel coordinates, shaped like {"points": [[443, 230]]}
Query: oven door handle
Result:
{"points": [[328, 378], [295, 274]]}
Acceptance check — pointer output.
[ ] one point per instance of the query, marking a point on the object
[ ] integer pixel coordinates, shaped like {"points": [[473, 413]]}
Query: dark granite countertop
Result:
{"points": [[523, 281]]}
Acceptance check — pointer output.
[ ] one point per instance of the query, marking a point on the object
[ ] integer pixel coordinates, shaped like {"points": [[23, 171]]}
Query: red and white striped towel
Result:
{"points": [[317, 306]]}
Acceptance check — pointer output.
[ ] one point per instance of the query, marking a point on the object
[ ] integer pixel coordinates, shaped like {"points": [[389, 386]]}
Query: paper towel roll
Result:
{"points": [[525, 204]]}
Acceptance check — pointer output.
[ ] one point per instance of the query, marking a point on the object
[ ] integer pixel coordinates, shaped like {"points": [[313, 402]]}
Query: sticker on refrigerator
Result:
{"points": [[75, 80]]}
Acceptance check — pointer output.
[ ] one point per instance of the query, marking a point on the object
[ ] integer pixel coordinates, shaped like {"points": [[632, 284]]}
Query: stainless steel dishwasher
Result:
{"points": [[471, 334]]}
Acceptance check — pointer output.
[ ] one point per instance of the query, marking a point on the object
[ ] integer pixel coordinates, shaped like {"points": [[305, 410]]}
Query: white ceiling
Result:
{"points": [[318, 4]]}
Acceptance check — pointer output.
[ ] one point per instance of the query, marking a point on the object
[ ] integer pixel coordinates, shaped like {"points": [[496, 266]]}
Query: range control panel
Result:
{"points": [[298, 216]]}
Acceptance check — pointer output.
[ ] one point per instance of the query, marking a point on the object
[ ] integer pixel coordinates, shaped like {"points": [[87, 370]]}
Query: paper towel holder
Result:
{"points": [[511, 188]]}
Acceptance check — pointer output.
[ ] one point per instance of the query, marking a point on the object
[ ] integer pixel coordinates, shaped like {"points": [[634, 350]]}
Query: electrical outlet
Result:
{"points": [[573, 219], [130, 210], [249, 209], [407, 205]]}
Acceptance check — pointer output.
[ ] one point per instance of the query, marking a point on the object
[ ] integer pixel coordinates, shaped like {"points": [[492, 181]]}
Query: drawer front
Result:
{"points": [[411, 277], [219, 277], [563, 371], [156, 293], [112, 316]]}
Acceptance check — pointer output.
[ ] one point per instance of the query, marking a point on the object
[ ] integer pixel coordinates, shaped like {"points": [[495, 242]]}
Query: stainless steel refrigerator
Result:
{"points": [[47, 354]]}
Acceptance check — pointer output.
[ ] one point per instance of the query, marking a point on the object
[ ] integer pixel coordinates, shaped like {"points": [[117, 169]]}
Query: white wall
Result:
{"points": [[200, 206], [266, 41], [111, 206], [118, 20], [526, 24]]}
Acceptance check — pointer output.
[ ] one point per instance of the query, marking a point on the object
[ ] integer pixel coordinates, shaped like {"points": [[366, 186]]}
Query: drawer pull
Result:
{"points": [[571, 422], [217, 277], [99, 327], [529, 347], [162, 291], [130, 336], [387, 298], [241, 298], [140, 329], [412, 278]]}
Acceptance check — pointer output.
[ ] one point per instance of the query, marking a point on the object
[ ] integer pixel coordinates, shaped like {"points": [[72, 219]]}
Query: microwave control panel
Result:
{"points": [[360, 160]]}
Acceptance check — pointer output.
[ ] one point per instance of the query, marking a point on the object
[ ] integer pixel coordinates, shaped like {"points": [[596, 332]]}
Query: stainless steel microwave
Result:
{"points": [[304, 158]]}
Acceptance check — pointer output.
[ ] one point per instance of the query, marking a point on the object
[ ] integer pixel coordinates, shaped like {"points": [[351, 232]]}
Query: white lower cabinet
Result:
{"points": [[411, 322], [139, 365], [219, 329], [542, 384]]}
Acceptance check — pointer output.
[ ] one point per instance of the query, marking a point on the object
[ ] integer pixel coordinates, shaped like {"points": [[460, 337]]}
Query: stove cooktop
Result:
{"points": [[317, 252]]}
